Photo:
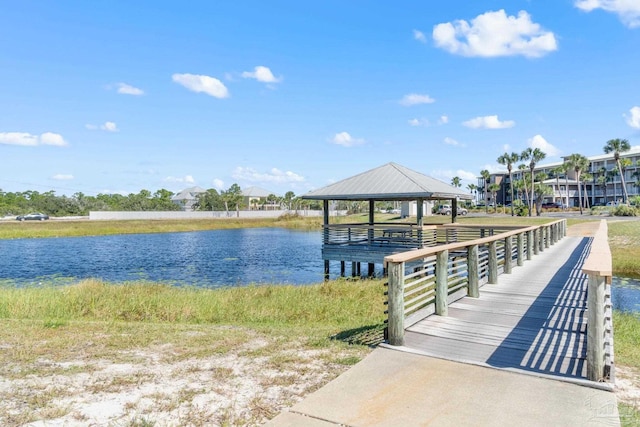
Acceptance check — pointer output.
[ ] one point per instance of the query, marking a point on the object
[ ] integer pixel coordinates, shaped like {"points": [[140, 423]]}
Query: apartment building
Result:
{"points": [[605, 185]]}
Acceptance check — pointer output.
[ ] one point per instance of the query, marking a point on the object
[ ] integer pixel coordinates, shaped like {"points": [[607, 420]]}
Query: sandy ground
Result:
{"points": [[218, 390]]}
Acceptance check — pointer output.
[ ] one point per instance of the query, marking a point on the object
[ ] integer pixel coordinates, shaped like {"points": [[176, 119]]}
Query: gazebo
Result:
{"points": [[371, 242]]}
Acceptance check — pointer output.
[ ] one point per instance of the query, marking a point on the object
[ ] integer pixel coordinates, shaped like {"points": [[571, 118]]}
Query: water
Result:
{"points": [[204, 258], [625, 294]]}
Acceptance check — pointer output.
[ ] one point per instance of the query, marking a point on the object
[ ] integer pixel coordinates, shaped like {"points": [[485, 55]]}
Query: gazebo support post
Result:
{"points": [[371, 268], [325, 234], [454, 210], [419, 220]]}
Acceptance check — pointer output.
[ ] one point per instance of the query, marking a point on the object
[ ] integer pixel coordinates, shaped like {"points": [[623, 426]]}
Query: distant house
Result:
{"points": [[255, 198], [187, 198]]}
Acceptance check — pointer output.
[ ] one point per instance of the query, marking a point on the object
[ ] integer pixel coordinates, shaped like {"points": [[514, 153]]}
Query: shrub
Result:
{"points": [[625, 210], [519, 208]]}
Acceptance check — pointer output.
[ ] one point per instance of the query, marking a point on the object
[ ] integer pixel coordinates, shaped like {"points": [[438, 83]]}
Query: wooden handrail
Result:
{"points": [[536, 236], [599, 260], [598, 268], [422, 253]]}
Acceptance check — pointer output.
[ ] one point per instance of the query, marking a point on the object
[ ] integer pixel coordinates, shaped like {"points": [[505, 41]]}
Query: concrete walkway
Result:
{"points": [[394, 388]]}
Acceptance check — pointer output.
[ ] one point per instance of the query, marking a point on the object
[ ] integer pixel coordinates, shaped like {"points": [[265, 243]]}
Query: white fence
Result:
{"points": [[122, 215]]}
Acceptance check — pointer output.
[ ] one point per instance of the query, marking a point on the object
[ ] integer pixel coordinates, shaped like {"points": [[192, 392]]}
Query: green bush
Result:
{"points": [[625, 210], [520, 208]]}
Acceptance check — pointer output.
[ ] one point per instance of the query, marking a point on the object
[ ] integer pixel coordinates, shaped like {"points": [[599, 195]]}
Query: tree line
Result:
{"points": [[80, 204]]}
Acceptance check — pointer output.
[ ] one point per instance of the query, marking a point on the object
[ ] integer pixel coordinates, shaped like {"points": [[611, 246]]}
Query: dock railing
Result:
{"points": [[598, 268], [396, 234], [425, 281]]}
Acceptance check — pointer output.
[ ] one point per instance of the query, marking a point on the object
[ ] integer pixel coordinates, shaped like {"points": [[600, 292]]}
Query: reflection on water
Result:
{"points": [[625, 294]]}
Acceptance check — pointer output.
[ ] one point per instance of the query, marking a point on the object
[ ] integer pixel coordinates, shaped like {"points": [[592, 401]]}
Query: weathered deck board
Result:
{"points": [[532, 320]]}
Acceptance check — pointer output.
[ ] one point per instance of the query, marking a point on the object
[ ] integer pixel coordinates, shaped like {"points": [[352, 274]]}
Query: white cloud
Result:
{"points": [[187, 179], [627, 10], [346, 140], [415, 99], [261, 74], [275, 175], [109, 127], [27, 139], [419, 35], [495, 34], [50, 138], [451, 141], [126, 89], [446, 175], [466, 175], [62, 177], [419, 122], [106, 126], [633, 119], [443, 120], [18, 138], [488, 122], [200, 83], [218, 184], [539, 142], [506, 148], [492, 168]]}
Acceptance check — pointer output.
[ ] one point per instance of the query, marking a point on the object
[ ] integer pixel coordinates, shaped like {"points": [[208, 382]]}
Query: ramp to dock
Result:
{"points": [[532, 320]]}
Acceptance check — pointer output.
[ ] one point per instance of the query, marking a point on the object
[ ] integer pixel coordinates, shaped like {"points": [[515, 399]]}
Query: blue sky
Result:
{"points": [[116, 97]]}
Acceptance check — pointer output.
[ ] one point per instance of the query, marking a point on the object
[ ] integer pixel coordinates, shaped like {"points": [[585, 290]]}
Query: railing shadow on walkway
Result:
{"points": [[551, 336]]}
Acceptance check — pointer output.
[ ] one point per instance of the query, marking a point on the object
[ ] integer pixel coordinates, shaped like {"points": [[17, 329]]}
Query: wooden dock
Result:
{"points": [[533, 320]]}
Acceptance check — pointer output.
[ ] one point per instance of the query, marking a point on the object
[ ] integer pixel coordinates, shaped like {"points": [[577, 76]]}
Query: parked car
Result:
{"points": [[36, 216], [446, 210], [552, 205]]}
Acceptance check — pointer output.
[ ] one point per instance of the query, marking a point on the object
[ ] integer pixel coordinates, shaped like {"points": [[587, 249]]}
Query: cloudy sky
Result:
{"points": [[116, 97]]}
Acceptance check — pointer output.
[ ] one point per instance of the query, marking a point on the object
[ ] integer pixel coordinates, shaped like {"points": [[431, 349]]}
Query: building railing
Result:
{"points": [[598, 268], [425, 281]]}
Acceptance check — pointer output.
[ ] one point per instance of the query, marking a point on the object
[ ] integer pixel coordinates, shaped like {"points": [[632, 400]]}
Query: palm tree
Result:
{"points": [[612, 173], [508, 160], [522, 168], [486, 175], [602, 182], [636, 183], [624, 164], [455, 181], [519, 186], [493, 189], [541, 190], [533, 155], [617, 146], [586, 177], [472, 188], [557, 171], [579, 163]]}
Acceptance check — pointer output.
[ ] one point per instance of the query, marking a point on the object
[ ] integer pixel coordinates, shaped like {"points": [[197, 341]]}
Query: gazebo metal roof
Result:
{"points": [[388, 182]]}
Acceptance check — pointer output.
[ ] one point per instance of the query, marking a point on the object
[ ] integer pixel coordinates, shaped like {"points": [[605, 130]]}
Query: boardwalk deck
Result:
{"points": [[532, 320]]}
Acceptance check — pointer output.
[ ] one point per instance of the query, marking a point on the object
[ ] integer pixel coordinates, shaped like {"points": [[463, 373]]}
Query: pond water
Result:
{"points": [[204, 258], [625, 294], [213, 258]]}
